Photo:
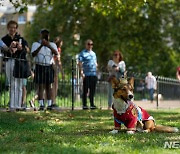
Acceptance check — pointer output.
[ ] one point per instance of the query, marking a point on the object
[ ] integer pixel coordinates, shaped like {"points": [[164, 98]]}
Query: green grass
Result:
{"points": [[80, 132]]}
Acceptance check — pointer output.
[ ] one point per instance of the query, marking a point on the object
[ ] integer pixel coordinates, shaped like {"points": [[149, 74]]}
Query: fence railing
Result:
{"points": [[70, 89]]}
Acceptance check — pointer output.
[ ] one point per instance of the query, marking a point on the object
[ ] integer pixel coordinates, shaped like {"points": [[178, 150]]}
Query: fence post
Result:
{"points": [[72, 84], [157, 100]]}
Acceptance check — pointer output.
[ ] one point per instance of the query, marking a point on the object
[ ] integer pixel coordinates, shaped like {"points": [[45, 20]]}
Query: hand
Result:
{"points": [[82, 75], [19, 46], [32, 74], [116, 69], [45, 43]]}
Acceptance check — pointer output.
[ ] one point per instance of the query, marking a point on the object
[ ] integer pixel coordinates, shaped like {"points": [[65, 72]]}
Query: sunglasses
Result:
{"points": [[90, 44]]}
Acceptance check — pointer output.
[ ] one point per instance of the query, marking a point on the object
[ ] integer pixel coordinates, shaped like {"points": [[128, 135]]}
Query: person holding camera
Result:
{"points": [[116, 67], [16, 63], [43, 51]]}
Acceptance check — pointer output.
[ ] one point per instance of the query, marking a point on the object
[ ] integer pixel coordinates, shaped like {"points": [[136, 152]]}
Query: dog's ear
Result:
{"points": [[114, 81], [131, 81]]}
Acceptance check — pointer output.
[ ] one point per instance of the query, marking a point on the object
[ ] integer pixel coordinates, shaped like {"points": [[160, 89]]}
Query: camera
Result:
{"points": [[46, 37]]}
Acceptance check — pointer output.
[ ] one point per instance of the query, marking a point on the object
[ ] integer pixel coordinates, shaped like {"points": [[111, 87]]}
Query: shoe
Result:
{"points": [[11, 110], [17, 110], [109, 108], [49, 107], [31, 104], [54, 105], [85, 108], [41, 108], [23, 106], [21, 109], [93, 107]]}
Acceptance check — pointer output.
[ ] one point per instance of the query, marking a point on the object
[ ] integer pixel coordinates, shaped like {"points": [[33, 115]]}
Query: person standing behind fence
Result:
{"points": [[57, 68], [16, 64], [43, 51], [88, 67], [178, 73], [116, 67], [151, 85]]}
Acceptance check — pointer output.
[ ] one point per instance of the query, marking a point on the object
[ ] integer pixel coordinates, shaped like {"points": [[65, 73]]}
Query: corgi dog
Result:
{"points": [[126, 112]]}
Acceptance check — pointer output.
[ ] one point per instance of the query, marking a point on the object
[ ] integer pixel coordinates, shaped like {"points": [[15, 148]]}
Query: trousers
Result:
{"points": [[89, 83], [15, 85]]}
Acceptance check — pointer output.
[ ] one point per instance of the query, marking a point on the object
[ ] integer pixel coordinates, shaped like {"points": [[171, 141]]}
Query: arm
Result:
{"points": [[109, 66], [177, 76], [81, 69], [60, 65], [123, 67], [35, 52], [52, 48]]}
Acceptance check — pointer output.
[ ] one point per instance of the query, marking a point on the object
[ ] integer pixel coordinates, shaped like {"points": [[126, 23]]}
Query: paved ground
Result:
{"points": [[163, 104]]}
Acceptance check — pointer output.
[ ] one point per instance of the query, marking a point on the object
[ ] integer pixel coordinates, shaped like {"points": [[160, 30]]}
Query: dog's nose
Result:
{"points": [[130, 96]]}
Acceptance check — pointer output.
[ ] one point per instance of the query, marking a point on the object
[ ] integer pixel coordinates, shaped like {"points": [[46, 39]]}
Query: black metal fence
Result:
{"points": [[70, 89]]}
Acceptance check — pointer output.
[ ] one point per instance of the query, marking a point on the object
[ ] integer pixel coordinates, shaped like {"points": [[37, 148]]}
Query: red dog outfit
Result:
{"points": [[130, 117]]}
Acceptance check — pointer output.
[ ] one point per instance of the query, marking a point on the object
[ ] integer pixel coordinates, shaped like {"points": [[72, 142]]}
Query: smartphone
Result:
{"points": [[20, 41]]}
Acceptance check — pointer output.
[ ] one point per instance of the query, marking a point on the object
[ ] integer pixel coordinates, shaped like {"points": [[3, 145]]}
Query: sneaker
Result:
{"points": [[54, 105], [41, 108], [11, 110], [21, 109], [93, 107], [85, 108], [49, 107]]}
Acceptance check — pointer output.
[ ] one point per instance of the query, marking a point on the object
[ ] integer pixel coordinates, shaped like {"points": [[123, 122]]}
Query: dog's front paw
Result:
{"points": [[114, 131], [130, 132], [145, 131], [139, 130]]}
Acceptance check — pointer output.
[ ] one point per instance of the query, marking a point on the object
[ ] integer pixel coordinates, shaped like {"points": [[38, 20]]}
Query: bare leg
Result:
{"points": [[55, 88], [24, 96]]}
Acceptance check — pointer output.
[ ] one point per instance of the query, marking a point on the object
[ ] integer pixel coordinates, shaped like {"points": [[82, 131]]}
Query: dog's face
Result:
{"points": [[122, 88]]}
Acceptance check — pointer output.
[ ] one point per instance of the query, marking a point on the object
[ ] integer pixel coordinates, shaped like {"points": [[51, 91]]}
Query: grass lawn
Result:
{"points": [[81, 132]]}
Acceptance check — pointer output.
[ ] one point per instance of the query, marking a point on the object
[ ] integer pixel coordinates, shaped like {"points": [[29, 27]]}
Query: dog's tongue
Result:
{"points": [[129, 102]]}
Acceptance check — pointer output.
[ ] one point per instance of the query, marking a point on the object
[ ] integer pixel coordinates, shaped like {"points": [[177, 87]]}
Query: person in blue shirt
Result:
{"points": [[88, 67]]}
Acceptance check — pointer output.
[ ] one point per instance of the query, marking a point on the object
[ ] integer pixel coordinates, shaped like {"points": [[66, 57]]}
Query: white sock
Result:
{"points": [[49, 102], [41, 102]]}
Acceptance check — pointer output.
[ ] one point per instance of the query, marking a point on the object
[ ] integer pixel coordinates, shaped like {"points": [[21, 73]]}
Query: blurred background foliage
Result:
{"points": [[146, 32]]}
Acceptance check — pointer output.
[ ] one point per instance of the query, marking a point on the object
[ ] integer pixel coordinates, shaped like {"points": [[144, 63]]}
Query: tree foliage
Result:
{"points": [[147, 32]]}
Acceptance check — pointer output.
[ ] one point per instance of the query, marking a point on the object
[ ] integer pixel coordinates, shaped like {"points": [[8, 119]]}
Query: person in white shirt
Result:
{"points": [[151, 84], [43, 52], [116, 67]]}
